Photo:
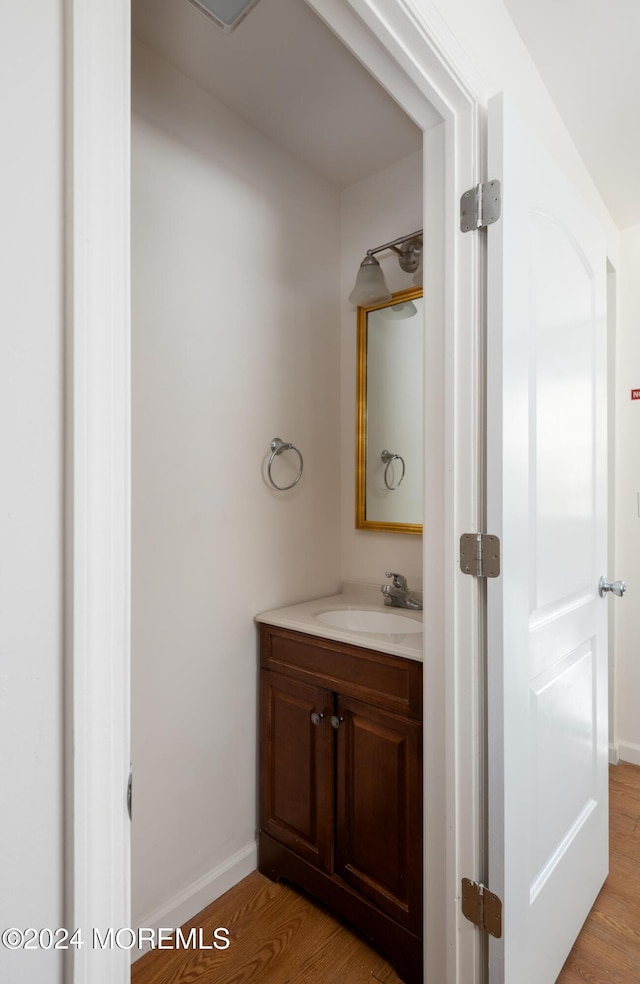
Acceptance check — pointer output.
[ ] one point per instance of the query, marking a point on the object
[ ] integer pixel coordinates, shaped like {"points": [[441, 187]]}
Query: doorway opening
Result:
{"points": [[264, 165], [394, 53]]}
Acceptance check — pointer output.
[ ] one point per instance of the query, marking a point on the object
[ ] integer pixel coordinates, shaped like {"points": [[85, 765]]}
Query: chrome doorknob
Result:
{"points": [[617, 588]]}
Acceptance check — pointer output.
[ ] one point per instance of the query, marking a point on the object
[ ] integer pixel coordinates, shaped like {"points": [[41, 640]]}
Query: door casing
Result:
{"points": [[413, 55]]}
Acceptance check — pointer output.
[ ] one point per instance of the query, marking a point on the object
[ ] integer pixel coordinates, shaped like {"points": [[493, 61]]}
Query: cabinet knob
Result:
{"points": [[316, 718], [336, 721]]}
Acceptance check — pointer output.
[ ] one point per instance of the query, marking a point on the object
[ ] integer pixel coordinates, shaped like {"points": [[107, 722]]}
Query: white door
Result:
{"points": [[547, 625]]}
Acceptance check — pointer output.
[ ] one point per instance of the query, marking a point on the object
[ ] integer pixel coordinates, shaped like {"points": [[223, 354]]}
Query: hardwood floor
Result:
{"points": [[608, 948], [278, 936]]}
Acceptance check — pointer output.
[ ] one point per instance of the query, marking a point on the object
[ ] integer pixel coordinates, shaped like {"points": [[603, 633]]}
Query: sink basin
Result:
{"points": [[364, 620]]}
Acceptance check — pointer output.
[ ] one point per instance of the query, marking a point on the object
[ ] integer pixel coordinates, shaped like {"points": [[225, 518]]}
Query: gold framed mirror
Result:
{"points": [[389, 428]]}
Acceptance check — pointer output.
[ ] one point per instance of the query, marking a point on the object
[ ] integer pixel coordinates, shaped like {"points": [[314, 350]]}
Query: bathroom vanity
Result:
{"points": [[341, 771]]}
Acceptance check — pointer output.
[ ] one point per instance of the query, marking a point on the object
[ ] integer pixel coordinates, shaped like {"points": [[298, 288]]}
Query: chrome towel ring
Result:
{"points": [[277, 447], [388, 457]]}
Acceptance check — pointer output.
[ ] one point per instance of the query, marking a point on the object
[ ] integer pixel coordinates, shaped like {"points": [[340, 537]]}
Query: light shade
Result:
{"points": [[400, 312], [370, 286], [227, 14]]}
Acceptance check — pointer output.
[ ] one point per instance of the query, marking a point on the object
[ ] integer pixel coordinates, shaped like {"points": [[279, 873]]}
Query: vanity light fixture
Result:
{"points": [[226, 14], [370, 286], [417, 277]]}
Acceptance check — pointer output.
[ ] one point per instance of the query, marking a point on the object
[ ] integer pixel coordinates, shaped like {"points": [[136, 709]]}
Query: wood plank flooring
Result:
{"points": [[278, 936], [608, 948]]}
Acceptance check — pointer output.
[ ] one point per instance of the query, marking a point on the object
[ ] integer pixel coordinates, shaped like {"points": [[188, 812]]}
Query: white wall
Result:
{"points": [[31, 503], [235, 342], [627, 491], [374, 211]]}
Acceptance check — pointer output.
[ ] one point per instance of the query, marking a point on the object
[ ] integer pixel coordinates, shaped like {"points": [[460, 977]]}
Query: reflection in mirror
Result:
{"points": [[389, 439]]}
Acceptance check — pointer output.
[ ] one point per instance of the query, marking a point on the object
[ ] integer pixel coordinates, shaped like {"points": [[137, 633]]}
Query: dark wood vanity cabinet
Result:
{"points": [[297, 798], [341, 784]]}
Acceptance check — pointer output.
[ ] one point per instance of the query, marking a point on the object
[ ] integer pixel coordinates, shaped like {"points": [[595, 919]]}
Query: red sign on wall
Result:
{"points": [[635, 394]]}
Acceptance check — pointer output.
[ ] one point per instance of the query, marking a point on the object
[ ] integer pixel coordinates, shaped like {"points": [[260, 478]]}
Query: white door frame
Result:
{"points": [[98, 505], [415, 48]]}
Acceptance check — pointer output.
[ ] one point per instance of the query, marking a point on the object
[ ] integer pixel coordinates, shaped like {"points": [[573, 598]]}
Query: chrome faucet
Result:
{"points": [[397, 593]]}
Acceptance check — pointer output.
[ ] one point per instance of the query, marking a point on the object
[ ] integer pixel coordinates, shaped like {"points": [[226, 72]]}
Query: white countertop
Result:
{"points": [[354, 595]]}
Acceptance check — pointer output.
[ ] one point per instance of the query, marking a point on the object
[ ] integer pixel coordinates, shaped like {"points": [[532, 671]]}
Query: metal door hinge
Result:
{"points": [[482, 907], [480, 554], [480, 206], [130, 793]]}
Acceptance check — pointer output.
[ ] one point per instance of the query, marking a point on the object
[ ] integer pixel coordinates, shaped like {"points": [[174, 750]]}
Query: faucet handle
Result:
{"points": [[399, 580]]}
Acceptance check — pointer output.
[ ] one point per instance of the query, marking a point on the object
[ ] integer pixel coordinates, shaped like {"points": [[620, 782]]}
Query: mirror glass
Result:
{"points": [[389, 439]]}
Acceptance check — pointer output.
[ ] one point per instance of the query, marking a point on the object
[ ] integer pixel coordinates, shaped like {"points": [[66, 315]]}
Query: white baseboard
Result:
{"points": [[200, 893], [614, 754], [629, 752]]}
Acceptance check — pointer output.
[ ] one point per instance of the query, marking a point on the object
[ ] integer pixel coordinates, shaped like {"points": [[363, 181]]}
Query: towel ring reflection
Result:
{"points": [[389, 457], [277, 447]]}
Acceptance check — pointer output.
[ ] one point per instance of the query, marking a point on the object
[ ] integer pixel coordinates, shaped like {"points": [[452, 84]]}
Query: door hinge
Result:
{"points": [[480, 206], [130, 793], [480, 554], [482, 907]]}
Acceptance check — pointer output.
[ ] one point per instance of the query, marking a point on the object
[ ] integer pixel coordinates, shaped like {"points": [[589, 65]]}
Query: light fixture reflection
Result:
{"points": [[399, 312]]}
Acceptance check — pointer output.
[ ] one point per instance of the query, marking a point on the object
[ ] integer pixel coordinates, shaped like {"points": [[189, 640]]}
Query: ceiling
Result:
{"points": [[587, 54], [284, 72]]}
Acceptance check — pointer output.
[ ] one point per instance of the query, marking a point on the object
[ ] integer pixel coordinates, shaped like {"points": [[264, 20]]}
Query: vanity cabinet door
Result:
{"points": [[379, 808], [296, 764]]}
